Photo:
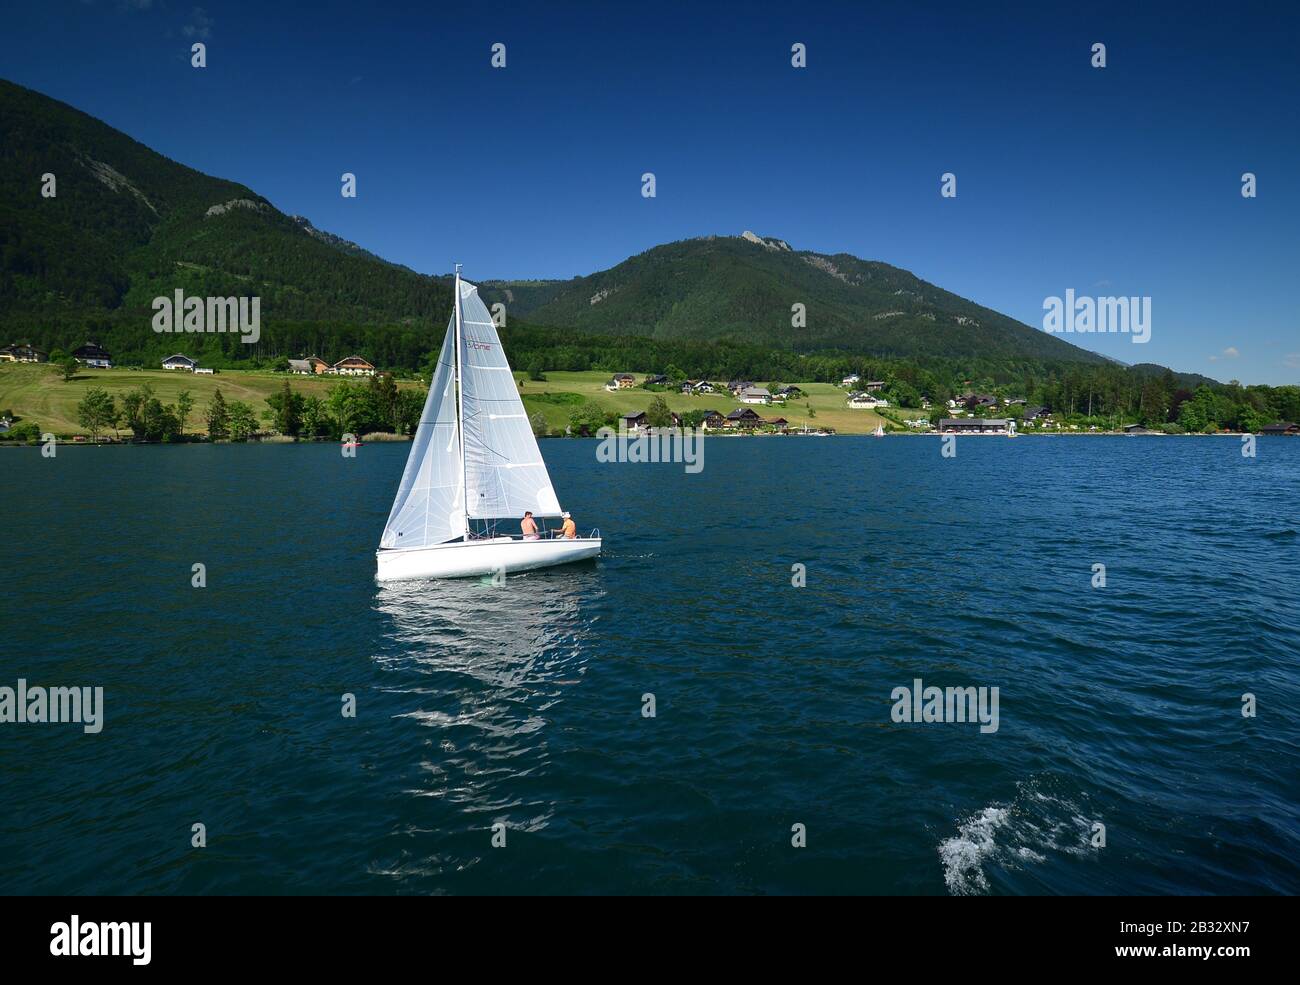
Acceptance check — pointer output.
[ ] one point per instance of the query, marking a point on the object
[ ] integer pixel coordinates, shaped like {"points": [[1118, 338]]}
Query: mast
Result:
{"points": [[460, 414]]}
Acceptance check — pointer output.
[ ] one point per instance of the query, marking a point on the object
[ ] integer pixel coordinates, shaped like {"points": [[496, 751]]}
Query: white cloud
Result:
{"points": [[199, 26]]}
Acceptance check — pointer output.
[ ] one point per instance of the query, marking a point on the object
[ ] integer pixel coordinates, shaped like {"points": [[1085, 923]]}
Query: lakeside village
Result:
{"points": [[378, 410]]}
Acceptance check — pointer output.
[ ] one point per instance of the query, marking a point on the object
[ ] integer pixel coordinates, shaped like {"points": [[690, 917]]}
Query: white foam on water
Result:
{"points": [[1025, 832], [963, 856]]}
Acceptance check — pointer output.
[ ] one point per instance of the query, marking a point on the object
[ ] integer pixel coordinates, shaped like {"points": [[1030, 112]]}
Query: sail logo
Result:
{"points": [[133, 940], [1130, 316], [53, 705], [241, 316], [920, 704], [659, 445]]}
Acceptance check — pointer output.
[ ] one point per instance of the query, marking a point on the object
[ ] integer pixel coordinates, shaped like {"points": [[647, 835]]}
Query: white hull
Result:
{"points": [[474, 558]]}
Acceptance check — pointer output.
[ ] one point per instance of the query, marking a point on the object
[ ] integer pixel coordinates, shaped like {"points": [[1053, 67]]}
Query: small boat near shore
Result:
{"points": [[474, 461]]}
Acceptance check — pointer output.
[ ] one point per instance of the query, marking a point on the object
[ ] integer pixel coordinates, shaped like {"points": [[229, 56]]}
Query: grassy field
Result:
{"points": [[36, 392], [826, 400]]}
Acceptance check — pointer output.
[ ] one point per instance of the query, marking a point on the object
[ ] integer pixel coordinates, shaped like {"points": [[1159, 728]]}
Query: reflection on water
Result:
{"points": [[486, 666]]}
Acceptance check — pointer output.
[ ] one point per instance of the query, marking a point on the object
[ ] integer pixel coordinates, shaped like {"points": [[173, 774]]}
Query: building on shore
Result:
{"points": [[743, 417], [1280, 427], [974, 425]]}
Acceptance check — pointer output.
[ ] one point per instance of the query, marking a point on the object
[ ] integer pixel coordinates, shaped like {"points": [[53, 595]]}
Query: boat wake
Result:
{"points": [[1013, 836]]}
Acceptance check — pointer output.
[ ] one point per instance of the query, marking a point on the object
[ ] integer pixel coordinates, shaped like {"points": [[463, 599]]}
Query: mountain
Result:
{"points": [[126, 225], [1188, 381], [744, 287]]}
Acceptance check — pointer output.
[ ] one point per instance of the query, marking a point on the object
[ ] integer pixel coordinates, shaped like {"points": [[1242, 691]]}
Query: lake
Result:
{"points": [[1119, 714]]}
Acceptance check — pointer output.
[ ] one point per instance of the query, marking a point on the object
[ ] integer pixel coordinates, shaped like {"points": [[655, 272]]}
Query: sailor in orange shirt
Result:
{"points": [[569, 529]]}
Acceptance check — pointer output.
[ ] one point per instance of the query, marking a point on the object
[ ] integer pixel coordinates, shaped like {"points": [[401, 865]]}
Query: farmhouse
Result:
{"points": [[353, 366], [179, 361], [95, 356], [697, 386], [743, 417], [633, 421], [866, 401], [755, 395], [713, 421], [23, 353], [658, 379]]}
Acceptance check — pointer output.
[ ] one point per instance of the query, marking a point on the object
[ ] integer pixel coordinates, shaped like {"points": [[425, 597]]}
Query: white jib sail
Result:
{"points": [[504, 471], [428, 509]]}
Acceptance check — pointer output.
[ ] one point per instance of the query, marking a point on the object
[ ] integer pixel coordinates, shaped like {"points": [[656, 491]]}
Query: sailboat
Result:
{"points": [[473, 461], [879, 432]]}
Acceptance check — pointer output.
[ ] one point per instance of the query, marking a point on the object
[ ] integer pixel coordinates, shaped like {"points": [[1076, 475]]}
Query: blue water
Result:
{"points": [[522, 703]]}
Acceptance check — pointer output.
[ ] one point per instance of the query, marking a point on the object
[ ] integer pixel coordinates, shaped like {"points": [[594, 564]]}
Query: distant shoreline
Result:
{"points": [[406, 439]]}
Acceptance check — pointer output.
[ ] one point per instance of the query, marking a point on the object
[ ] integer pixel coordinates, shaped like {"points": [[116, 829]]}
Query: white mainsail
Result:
{"points": [[493, 453], [429, 508], [504, 471]]}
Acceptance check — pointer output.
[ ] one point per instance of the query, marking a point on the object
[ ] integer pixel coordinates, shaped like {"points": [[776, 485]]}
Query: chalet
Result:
{"points": [[871, 385], [853, 379], [697, 386], [735, 386], [318, 365], [1138, 429], [1037, 413], [866, 401], [1280, 427], [624, 381], [658, 379], [353, 366], [301, 367], [23, 353], [778, 424], [742, 417], [712, 421], [974, 425], [788, 393], [755, 395], [1017, 402], [95, 356], [179, 361], [634, 421], [981, 400]]}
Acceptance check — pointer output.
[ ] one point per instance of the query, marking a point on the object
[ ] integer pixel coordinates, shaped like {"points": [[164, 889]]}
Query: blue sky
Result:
{"points": [[1123, 180]]}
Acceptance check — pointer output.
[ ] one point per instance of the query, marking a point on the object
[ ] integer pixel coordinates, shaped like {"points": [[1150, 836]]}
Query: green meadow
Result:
{"points": [[829, 408], [37, 392]]}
